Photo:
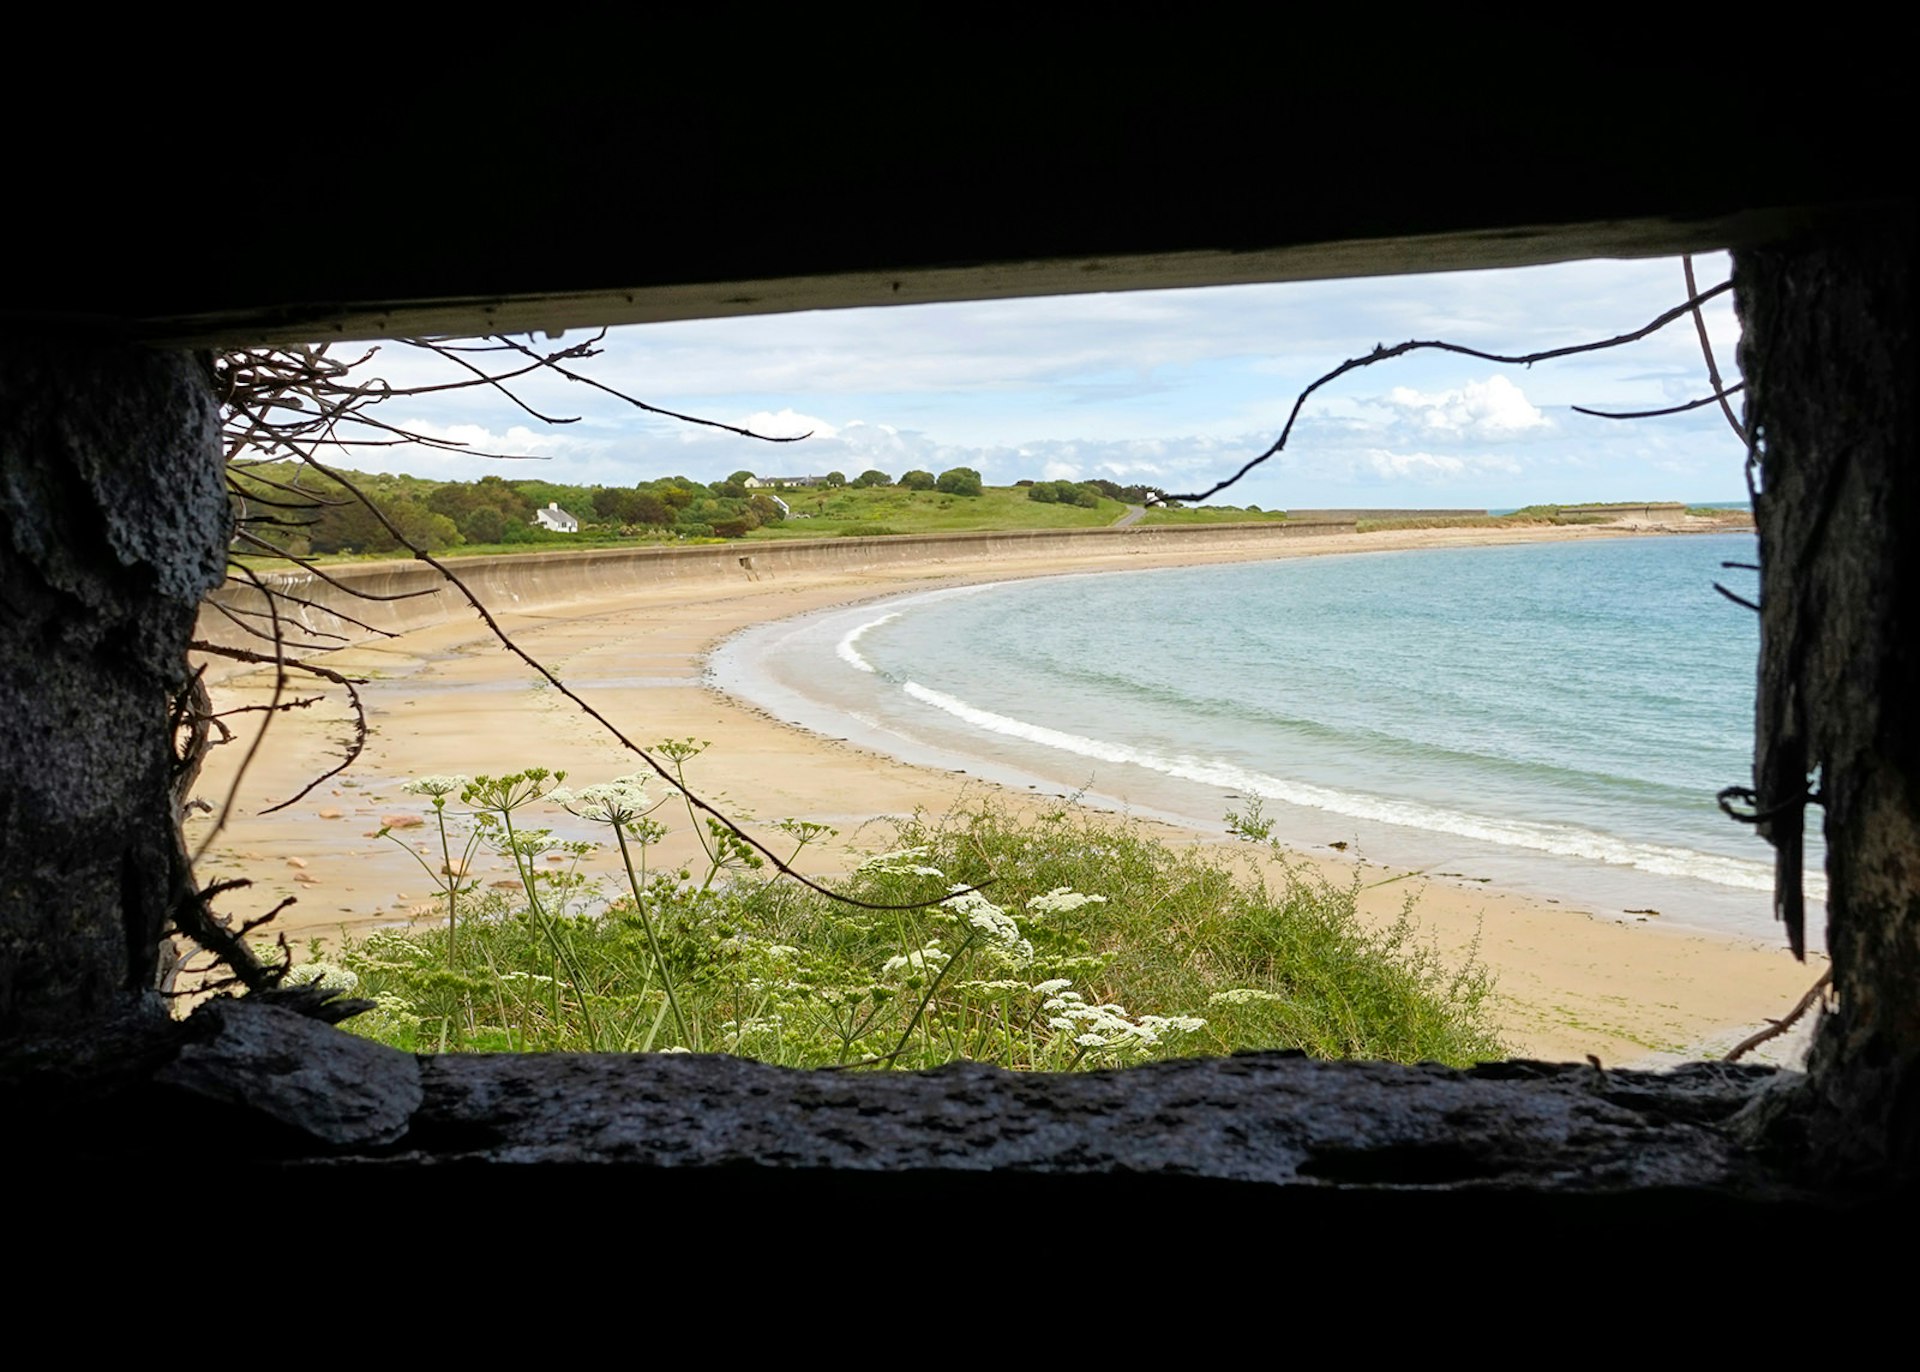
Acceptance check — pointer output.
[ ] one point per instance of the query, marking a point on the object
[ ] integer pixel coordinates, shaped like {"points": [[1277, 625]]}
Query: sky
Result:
{"points": [[1167, 388]]}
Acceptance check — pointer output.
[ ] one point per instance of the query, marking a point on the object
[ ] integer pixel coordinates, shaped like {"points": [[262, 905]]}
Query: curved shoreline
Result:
{"points": [[356, 601], [807, 672], [442, 701]]}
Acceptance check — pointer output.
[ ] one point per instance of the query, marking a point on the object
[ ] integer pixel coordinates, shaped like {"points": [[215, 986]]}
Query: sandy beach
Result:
{"points": [[444, 698]]}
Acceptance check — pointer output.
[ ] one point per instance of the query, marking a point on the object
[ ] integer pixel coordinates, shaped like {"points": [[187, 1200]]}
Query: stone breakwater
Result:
{"points": [[400, 596]]}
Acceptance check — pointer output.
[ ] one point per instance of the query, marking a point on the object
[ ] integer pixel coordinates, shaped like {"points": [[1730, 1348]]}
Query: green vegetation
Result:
{"points": [[494, 514], [820, 513], [959, 481], [1065, 493], [1213, 514], [1092, 945]]}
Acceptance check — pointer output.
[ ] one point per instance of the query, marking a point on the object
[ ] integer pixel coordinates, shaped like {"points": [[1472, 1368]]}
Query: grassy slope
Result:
{"points": [[832, 513]]}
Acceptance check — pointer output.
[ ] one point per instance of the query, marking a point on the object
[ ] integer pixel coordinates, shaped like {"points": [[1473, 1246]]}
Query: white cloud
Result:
{"points": [[1374, 466], [786, 422], [1491, 409]]}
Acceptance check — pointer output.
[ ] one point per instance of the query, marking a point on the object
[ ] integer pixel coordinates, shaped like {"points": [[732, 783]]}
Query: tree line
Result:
{"points": [[315, 515]]}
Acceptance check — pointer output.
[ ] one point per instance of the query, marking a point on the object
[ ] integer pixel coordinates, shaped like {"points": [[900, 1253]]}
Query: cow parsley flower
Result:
{"points": [[324, 975], [1163, 1025], [1244, 995], [902, 862], [931, 957], [1062, 899], [620, 801], [437, 786], [995, 926]]}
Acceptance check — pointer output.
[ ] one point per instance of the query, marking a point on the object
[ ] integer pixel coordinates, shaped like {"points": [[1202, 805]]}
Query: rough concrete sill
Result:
{"points": [[266, 1086]]}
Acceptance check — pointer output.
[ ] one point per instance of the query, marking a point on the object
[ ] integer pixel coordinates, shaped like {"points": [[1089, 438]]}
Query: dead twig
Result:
{"points": [[1776, 1027], [1720, 392], [665, 774], [1703, 401], [1383, 354]]}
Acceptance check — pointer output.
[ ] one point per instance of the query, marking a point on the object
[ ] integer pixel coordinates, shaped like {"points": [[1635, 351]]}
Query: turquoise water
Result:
{"points": [[1557, 716]]}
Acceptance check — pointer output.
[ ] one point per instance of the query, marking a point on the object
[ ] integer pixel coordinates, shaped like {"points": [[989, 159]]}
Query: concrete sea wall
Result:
{"points": [[353, 599]]}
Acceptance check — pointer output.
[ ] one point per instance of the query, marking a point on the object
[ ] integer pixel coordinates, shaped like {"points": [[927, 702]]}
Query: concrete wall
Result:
{"points": [[1657, 512], [399, 596], [1351, 515]]}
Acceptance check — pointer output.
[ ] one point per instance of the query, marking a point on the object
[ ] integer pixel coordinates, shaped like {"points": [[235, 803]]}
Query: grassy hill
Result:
{"points": [[822, 513]]}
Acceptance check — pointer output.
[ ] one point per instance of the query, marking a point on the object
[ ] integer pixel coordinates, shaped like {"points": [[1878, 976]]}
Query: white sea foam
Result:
{"points": [[1559, 840], [847, 653]]}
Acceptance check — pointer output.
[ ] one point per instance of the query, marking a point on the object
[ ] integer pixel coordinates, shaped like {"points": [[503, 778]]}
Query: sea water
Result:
{"points": [[1553, 717]]}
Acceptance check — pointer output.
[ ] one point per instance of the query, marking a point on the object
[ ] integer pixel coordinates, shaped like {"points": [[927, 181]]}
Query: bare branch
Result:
{"points": [[279, 690], [554, 366], [1777, 1027], [505, 639], [272, 550], [347, 683], [1382, 354], [1704, 400], [1720, 391]]}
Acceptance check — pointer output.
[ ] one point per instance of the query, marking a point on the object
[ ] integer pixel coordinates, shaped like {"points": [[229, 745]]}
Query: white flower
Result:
{"points": [[1060, 900], [619, 801], [1172, 1024], [1110, 1028], [437, 785], [1244, 995], [1052, 988], [324, 975], [919, 961], [900, 863]]}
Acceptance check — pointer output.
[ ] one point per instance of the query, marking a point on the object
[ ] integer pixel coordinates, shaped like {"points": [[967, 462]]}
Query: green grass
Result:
{"points": [[1163, 952], [1208, 514], [831, 514]]}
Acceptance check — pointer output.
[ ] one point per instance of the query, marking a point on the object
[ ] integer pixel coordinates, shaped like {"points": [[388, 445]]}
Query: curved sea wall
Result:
{"points": [[354, 599]]}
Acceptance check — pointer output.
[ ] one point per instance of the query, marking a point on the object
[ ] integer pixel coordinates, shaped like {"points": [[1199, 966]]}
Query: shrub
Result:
{"points": [[917, 480], [959, 481], [1083, 494], [872, 476]]}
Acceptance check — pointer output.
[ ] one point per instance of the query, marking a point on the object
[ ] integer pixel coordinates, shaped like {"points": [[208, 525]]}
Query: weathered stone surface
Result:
{"points": [[1272, 1118], [113, 525], [339, 1090], [1829, 360]]}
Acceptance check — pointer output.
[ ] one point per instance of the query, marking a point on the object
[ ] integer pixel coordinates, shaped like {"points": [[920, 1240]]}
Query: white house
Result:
{"points": [[762, 482], [557, 519]]}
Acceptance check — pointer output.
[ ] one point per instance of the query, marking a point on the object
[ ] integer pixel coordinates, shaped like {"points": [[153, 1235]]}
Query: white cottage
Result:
{"points": [[556, 519]]}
